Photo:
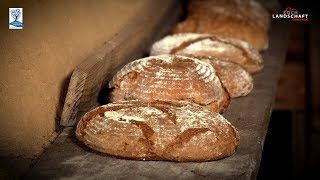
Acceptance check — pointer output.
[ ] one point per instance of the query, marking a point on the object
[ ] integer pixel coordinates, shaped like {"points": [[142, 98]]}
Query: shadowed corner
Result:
{"points": [[62, 97], [13, 166], [103, 96]]}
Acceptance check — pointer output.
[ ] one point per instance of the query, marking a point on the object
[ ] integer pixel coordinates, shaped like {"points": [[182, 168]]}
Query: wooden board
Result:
{"points": [[133, 42], [67, 158]]}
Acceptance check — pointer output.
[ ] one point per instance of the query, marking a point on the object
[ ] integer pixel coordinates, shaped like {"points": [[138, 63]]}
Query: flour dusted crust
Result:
{"points": [[240, 19], [210, 46], [160, 130], [170, 77], [237, 81]]}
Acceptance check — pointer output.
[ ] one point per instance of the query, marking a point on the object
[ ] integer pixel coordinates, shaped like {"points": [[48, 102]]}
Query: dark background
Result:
{"points": [[292, 145]]}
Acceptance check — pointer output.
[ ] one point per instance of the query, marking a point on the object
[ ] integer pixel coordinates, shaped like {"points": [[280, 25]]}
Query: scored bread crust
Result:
{"points": [[245, 20], [210, 46], [159, 130], [170, 77]]}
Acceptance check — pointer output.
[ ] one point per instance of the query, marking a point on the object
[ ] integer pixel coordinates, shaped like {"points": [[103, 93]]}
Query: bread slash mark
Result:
{"points": [[184, 137], [188, 43], [147, 132], [171, 115]]}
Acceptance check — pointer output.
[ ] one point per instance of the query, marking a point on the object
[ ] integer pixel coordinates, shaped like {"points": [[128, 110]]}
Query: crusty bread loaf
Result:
{"points": [[163, 130], [210, 46], [240, 19], [237, 81], [170, 77]]}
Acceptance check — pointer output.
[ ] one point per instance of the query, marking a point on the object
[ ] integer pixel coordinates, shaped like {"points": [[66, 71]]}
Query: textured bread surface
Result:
{"points": [[159, 130], [237, 81], [210, 46], [170, 77], [239, 19]]}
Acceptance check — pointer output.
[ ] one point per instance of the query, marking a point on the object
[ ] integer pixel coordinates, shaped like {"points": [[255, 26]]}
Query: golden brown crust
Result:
{"points": [[245, 20], [143, 131], [236, 80], [170, 77], [210, 46]]}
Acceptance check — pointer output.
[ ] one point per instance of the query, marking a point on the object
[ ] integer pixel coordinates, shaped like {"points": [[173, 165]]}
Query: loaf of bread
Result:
{"points": [[160, 130], [170, 77], [237, 81], [240, 19], [210, 46]]}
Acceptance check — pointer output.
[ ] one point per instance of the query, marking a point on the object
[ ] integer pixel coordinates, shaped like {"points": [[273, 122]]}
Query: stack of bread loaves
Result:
{"points": [[166, 106]]}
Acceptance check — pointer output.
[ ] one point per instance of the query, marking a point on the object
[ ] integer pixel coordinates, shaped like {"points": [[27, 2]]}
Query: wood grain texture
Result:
{"points": [[131, 43], [68, 158]]}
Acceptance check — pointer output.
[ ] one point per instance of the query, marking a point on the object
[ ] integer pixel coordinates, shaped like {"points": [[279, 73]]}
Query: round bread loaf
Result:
{"points": [[239, 19], [237, 81], [170, 77], [160, 130], [210, 46]]}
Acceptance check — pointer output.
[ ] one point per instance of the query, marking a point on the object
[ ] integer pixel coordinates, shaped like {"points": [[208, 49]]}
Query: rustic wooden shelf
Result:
{"points": [[67, 158]]}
